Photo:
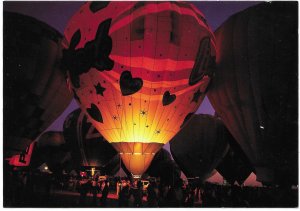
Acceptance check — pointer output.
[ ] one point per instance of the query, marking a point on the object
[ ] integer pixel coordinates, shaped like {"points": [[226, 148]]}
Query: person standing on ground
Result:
{"points": [[137, 193], [124, 196], [152, 195], [94, 191], [105, 194]]}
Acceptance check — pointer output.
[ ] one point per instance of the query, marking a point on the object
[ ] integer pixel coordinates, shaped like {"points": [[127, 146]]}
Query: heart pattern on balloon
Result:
{"points": [[95, 113], [168, 98], [128, 84]]}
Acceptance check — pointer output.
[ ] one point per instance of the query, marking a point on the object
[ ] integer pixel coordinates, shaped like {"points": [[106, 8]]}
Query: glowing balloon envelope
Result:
{"points": [[139, 70]]}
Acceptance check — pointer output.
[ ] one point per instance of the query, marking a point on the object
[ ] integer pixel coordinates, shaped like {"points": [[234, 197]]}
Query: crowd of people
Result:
{"points": [[94, 187], [21, 188], [132, 193], [214, 195]]}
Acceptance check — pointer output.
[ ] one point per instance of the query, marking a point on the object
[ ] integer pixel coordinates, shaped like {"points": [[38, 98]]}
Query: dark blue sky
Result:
{"points": [[57, 14]]}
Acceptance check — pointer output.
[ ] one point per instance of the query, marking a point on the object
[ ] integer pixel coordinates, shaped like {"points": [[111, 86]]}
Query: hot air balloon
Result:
{"points": [[34, 87], [164, 167], [88, 148], [234, 168], [52, 150], [200, 146], [255, 87], [139, 70]]}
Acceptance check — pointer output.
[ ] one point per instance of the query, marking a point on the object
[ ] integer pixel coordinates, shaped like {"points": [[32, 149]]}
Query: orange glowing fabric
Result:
{"points": [[139, 70]]}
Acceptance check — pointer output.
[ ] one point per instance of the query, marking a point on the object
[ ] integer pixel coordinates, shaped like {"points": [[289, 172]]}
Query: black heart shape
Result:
{"points": [[128, 84], [95, 113], [168, 98]]}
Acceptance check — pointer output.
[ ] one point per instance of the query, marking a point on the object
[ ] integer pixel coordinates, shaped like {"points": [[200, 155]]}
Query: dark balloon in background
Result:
{"points": [[200, 146], [255, 88], [35, 91], [88, 147]]}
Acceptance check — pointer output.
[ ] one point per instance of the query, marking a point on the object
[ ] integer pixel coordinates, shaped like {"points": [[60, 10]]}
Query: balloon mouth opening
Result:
{"points": [[136, 153], [137, 156]]}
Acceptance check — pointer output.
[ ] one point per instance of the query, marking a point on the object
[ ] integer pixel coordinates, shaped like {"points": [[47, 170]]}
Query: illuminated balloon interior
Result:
{"points": [[139, 70]]}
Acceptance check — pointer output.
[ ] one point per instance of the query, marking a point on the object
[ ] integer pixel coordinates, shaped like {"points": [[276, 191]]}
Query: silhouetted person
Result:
{"points": [[152, 195], [189, 200], [171, 198], [137, 192], [94, 192], [178, 194], [162, 195], [124, 196], [83, 190], [105, 194]]}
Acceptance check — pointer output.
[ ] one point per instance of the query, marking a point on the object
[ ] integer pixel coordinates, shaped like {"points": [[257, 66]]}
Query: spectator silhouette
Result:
{"points": [[105, 194], [152, 195], [94, 191], [137, 192], [124, 196], [83, 190]]}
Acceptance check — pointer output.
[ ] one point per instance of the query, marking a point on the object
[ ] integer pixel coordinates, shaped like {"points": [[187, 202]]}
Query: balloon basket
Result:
{"points": [[136, 177]]}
